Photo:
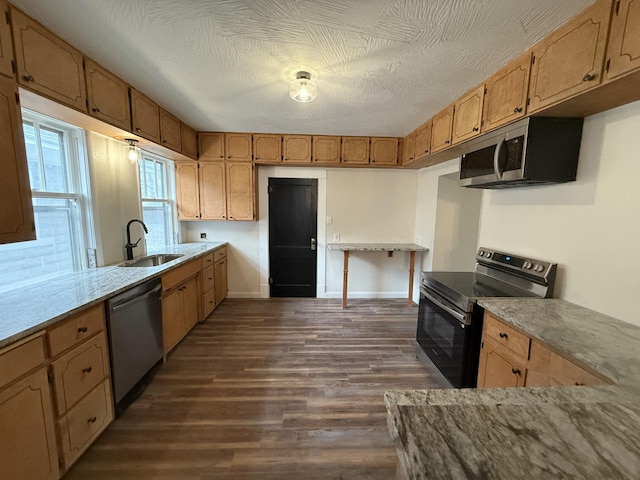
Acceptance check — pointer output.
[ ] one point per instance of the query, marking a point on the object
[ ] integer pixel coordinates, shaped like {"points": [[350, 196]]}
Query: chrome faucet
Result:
{"points": [[130, 246]]}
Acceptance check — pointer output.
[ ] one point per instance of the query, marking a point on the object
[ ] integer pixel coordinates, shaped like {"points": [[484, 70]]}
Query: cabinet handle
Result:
{"points": [[138, 129], [28, 77], [82, 329], [447, 142], [515, 371], [588, 77], [92, 420], [503, 335], [475, 129], [285, 159], [230, 217], [87, 370], [210, 278], [164, 141], [517, 110], [579, 384], [95, 109]]}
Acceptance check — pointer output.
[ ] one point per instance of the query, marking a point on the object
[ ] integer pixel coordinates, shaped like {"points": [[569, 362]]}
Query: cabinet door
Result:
{"points": [[467, 116], [107, 96], [27, 433], [187, 196], [441, 130], [220, 280], [498, 369], [384, 150], [172, 323], [190, 303], [570, 60], [267, 148], [170, 131], [326, 149], [296, 148], [423, 140], [189, 141], [355, 150], [409, 148], [211, 146], [145, 116], [6, 43], [46, 64], [213, 203], [624, 41], [238, 147], [16, 210], [506, 91], [240, 191]]}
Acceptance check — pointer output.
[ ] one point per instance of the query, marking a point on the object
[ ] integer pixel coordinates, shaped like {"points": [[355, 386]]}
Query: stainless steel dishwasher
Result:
{"points": [[135, 337]]}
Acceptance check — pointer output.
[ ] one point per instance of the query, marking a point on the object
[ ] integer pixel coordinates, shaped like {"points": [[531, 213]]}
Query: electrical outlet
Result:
{"points": [[336, 237], [329, 220], [203, 235]]}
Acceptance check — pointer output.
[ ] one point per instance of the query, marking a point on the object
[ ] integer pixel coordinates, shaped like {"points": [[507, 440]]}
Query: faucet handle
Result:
{"points": [[136, 244]]}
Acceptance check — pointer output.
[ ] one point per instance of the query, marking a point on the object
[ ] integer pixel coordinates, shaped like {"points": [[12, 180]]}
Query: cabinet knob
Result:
{"points": [[446, 142], [503, 335], [588, 77], [92, 420], [515, 371], [82, 329], [87, 370], [95, 110], [28, 77], [138, 129], [517, 110], [285, 159]]}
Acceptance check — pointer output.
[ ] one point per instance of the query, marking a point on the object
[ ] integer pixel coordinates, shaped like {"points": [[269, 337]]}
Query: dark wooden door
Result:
{"points": [[293, 226]]}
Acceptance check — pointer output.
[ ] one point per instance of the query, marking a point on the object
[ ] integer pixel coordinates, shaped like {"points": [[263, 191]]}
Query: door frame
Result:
{"points": [[263, 223]]}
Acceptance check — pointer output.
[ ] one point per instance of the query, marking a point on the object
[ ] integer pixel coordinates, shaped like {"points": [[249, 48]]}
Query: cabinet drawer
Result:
{"points": [[207, 260], [507, 336], [209, 302], [85, 422], [207, 278], [219, 253], [79, 371], [179, 274], [16, 360], [76, 329]]}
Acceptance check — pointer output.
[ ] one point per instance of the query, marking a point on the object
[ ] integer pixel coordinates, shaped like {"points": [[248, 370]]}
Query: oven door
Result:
{"points": [[448, 337]]}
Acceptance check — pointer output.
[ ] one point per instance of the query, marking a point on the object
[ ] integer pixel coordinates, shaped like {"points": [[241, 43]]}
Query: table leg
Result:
{"points": [[345, 278], [412, 260]]}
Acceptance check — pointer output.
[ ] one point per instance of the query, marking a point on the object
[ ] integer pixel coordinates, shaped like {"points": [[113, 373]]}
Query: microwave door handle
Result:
{"points": [[496, 158]]}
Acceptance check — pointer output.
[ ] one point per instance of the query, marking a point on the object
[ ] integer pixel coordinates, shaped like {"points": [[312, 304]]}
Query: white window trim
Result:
{"points": [[170, 192]]}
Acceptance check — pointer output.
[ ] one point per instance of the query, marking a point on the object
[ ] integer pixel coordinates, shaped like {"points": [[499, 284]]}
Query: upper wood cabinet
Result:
{"points": [[187, 193], [408, 148], [505, 98], [326, 149], [296, 148], [212, 187], [211, 146], [623, 53], [384, 150], [46, 64], [6, 43], [107, 96], [16, 210], [238, 147], [441, 129], [240, 186], [189, 141], [355, 150], [423, 140], [267, 148], [145, 116], [570, 60], [467, 116], [170, 131]]}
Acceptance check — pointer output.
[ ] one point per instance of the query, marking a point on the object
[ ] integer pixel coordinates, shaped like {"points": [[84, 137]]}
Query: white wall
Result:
{"points": [[115, 192], [590, 227]]}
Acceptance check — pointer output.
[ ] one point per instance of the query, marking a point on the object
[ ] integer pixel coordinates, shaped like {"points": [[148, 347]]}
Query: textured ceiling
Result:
{"points": [[382, 66]]}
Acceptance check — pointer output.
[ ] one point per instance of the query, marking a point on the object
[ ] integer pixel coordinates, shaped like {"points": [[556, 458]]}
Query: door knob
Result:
{"points": [[313, 244]]}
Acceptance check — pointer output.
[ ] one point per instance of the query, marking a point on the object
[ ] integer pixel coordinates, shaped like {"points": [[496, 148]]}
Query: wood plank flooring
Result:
{"points": [[270, 389]]}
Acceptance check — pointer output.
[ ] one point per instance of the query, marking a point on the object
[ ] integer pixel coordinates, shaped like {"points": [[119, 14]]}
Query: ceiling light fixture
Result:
{"points": [[303, 89], [133, 152]]}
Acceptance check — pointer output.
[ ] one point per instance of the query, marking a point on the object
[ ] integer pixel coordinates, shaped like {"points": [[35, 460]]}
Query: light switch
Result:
{"points": [[336, 237]]}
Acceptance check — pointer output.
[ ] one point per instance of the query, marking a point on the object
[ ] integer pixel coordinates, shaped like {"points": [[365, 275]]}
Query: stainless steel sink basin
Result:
{"points": [[152, 260]]}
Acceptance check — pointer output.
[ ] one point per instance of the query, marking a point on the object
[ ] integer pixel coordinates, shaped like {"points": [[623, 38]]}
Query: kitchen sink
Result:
{"points": [[152, 260]]}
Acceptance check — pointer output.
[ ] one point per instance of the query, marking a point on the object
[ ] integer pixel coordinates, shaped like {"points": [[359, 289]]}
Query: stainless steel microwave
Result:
{"points": [[532, 151]]}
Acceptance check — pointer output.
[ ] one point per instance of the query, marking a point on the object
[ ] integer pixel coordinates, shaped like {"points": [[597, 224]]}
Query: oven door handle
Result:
{"points": [[432, 298]]}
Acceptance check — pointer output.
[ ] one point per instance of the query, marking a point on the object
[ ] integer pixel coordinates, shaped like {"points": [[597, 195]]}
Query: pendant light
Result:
{"points": [[303, 89], [133, 152]]}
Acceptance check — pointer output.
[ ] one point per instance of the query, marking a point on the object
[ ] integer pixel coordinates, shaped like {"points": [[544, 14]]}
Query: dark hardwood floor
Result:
{"points": [[270, 389]]}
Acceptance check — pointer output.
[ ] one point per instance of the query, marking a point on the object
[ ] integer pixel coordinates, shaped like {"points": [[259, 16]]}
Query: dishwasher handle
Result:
{"points": [[134, 300]]}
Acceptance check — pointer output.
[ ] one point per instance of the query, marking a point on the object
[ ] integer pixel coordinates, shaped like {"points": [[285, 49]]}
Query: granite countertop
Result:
{"points": [[377, 247], [26, 310], [532, 433]]}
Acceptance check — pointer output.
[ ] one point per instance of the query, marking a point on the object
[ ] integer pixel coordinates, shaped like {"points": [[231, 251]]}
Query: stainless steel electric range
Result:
{"points": [[450, 320]]}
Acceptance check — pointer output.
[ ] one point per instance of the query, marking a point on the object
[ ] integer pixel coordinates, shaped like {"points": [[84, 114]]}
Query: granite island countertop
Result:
{"points": [[26, 310], [532, 433]]}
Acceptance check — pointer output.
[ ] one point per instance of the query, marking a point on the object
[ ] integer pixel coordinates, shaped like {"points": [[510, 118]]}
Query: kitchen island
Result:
{"points": [[531, 433]]}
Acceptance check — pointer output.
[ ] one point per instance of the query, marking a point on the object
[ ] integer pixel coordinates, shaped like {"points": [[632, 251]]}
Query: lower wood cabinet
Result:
{"points": [[498, 368], [220, 275], [207, 286], [180, 303]]}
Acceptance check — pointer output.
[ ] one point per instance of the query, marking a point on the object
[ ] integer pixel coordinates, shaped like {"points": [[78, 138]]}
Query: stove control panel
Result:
{"points": [[538, 268]]}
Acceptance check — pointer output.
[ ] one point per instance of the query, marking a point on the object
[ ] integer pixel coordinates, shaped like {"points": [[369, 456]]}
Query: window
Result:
{"points": [[59, 184], [158, 202]]}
